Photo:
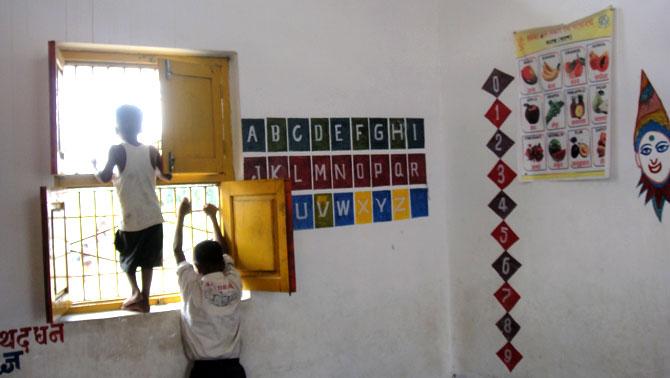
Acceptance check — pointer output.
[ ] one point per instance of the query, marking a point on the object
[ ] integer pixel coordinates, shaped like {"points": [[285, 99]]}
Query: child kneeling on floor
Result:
{"points": [[211, 293]]}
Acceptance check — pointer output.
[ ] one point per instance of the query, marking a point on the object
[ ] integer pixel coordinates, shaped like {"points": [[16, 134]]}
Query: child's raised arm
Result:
{"points": [[184, 208], [106, 174], [157, 162], [211, 211]]}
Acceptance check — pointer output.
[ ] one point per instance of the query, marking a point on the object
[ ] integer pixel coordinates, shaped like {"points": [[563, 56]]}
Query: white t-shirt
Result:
{"points": [[136, 188], [210, 320]]}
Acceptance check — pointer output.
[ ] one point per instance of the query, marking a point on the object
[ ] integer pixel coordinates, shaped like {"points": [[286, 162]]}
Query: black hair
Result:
{"points": [[129, 119], [208, 254]]}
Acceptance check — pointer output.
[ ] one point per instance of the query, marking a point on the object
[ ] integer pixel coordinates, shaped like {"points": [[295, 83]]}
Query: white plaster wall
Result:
{"points": [[372, 300], [595, 275], [369, 301]]}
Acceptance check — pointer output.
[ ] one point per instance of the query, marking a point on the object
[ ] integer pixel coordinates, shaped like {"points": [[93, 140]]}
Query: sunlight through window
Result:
{"points": [[91, 218], [89, 96]]}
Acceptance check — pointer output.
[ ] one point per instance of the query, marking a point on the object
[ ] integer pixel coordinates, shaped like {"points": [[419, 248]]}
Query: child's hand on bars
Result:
{"points": [[210, 210], [184, 208]]}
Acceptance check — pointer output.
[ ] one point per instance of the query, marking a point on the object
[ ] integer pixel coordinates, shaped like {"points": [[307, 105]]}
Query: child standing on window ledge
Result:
{"points": [[140, 237], [210, 320]]}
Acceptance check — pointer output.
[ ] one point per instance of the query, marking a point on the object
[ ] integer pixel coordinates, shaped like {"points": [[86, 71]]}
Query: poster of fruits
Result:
{"points": [[565, 99]]}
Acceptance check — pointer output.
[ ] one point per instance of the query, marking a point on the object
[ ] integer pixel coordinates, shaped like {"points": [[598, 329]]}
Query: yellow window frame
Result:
{"points": [[65, 53], [61, 300]]}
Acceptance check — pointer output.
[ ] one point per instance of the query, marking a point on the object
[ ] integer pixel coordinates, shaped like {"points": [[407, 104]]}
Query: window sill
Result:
{"points": [[77, 316], [89, 180]]}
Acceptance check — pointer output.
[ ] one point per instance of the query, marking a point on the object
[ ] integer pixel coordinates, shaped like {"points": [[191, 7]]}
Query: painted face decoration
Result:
{"points": [[651, 141], [653, 157]]}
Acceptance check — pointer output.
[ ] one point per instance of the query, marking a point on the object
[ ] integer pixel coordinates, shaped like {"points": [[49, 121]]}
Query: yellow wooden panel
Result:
{"points": [[103, 58], [254, 222], [56, 299], [254, 231], [191, 108], [193, 122], [228, 157]]}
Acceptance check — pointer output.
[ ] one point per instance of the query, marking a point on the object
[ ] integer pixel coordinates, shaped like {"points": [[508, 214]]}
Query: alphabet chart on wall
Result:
{"points": [[344, 171], [502, 205], [565, 99]]}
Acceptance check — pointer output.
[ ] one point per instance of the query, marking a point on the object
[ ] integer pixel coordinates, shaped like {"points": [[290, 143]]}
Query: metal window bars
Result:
{"points": [[91, 219], [89, 94]]}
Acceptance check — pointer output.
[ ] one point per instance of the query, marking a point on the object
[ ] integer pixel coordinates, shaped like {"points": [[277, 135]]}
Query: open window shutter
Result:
{"points": [[55, 79], [193, 117], [54, 256], [255, 228]]}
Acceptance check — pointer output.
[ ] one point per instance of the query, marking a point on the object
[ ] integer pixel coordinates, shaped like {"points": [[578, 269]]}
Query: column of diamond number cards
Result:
{"points": [[502, 205]]}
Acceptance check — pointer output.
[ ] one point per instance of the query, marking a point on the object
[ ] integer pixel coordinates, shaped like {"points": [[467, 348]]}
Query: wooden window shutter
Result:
{"points": [[196, 116], [259, 238], [55, 79], [54, 256]]}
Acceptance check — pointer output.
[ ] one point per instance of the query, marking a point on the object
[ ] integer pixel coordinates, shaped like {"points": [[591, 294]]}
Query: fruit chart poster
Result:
{"points": [[565, 101]]}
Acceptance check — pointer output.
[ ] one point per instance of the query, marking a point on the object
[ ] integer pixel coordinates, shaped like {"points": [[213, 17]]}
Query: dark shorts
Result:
{"points": [[142, 248], [229, 368]]}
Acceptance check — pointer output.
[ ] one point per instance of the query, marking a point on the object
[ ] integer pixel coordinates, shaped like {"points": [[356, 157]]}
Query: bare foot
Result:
{"points": [[133, 299], [141, 306]]}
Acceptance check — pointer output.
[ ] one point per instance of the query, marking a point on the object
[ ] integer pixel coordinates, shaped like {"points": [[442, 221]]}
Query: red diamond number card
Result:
{"points": [[497, 113], [501, 174], [504, 235], [509, 356], [507, 296]]}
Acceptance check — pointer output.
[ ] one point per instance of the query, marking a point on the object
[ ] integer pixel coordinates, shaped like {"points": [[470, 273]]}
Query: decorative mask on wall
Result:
{"points": [[651, 140]]}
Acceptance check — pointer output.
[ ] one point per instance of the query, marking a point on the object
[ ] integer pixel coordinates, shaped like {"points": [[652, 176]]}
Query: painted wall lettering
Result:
{"points": [[344, 171]]}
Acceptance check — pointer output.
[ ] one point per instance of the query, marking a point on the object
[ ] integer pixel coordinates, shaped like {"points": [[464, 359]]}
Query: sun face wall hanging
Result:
{"points": [[651, 141]]}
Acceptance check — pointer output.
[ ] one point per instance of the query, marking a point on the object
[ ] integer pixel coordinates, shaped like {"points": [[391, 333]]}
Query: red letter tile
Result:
{"points": [[416, 164], [398, 169], [301, 173], [321, 172], [362, 171], [379, 167], [342, 171], [255, 168], [278, 167]]}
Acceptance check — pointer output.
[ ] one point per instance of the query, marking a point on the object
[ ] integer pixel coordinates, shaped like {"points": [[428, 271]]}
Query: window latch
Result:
{"points": [[168, 69], [170, 162]]}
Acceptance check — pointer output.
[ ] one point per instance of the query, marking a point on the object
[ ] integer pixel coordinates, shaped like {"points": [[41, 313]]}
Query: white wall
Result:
{"points": [[594, 281], [368, 301], [372, 300]]}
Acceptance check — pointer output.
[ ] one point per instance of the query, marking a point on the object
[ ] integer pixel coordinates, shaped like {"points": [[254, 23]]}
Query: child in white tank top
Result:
{"points": [[140, 237]]}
